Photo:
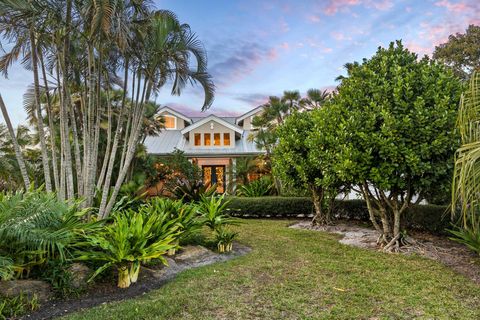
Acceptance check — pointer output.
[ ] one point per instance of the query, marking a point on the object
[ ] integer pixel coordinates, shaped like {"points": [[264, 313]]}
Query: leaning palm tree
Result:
{"points": [[466, 186]]}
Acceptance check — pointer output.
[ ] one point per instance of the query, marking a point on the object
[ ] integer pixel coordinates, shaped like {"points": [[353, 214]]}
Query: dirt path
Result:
{"points": [[442, 249], [149, 279]]}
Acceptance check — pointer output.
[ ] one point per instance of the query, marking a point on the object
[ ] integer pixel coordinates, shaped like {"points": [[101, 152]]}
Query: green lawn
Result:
{"points": [[297, 274]]}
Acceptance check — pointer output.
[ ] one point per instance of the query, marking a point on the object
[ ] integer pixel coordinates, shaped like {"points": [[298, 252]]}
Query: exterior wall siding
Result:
{"points": [[207, 128]]}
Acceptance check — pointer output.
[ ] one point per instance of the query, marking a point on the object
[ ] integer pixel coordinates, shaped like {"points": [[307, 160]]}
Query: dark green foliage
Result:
{"points": [[257, 188], [11, 308], [461, 52], [468, 236], [431, 218], [36, 227], [192, 190], [57, 273]]}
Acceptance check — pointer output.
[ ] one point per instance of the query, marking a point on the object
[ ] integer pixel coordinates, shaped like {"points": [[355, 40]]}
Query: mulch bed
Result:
{"points": [[149, 279], [442, 249]]}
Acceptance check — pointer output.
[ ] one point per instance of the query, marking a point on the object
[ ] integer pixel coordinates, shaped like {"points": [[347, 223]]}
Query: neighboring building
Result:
{"points": [[213, 143]]}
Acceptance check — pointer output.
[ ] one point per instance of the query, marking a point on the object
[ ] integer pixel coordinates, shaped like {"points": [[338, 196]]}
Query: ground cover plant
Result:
{"points": [[292, 274]]}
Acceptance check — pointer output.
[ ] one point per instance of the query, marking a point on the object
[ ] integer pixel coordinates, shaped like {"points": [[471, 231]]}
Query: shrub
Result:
{"points": [[192, 190], [11, 308], [257, 188], [224, 239], [214, 212], [469, 237], [431, 218], [35, 227], [134, 237]]}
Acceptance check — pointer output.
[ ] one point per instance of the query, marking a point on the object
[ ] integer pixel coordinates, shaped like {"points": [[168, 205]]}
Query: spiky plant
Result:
{"points": [[132, 238], [466, 189], [257, 188], [214, 212], [224, 239]]}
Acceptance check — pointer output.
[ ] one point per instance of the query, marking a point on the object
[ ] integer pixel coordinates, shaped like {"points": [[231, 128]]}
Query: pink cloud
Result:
{"points": [[313, 18], [452, 7], [335, 5], [340, 36]]}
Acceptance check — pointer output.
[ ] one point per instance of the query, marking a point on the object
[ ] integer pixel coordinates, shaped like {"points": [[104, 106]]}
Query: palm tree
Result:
{"points": [[466, 189]]}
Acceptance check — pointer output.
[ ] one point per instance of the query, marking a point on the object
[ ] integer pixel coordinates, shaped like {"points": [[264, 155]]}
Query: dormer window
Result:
{"points": [[216, 139], [207, 139], [170, 122], [226, 139]]}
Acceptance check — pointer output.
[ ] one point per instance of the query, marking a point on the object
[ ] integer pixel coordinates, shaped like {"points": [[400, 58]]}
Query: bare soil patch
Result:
{"points": [[150, 278], [442, 249]]}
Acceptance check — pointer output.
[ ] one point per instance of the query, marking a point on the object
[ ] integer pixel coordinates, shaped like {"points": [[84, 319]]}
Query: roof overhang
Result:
{"points": [[248, 114], [175, 113], [216, 119]]}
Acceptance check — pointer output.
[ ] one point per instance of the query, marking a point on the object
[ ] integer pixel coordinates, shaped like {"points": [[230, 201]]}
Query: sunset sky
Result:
{"points": [[260, 48]]}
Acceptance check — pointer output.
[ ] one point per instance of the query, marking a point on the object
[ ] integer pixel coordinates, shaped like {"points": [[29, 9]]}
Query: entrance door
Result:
{"points": [[214, 175]]}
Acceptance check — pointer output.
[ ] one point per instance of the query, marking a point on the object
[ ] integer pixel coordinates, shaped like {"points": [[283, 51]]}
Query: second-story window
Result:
{"points": [[207, 139], [198, 139], [170, 122], [216, 139], [226, 139]]}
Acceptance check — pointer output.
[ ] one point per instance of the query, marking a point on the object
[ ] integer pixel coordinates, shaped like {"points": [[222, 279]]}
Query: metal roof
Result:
{"points": [[167, 141]]}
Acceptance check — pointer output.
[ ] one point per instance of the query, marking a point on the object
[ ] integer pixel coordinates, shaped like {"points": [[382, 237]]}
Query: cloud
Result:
{"points": [[452, 7], [313, 18], [240, 62], [340, 36], [195, 112], [253, 99], [335, 5]]}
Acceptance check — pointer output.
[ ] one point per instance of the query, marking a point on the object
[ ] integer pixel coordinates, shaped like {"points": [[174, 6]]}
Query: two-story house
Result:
{"points": [[211, 142]]}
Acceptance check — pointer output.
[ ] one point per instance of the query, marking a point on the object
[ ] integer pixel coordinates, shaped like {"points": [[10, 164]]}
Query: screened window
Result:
{"points": [[207, 139], [198, 139], [169, 122], [226, 139], [216, 139]]}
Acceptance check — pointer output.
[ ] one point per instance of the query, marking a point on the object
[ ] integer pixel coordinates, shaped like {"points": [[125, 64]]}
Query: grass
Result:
{"points": [[299, 274]]}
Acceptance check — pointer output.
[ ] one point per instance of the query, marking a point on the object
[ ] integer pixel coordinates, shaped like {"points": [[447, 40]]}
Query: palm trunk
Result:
{"points": [[18, 152], [51, 126], [40, 129]]}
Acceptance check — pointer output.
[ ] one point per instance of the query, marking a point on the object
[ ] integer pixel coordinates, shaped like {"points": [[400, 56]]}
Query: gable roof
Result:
{"points": [[175, 113], [248, 114], [212, 117]]}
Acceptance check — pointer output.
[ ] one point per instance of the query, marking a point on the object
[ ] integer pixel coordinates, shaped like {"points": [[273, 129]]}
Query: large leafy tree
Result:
{"points": [[305, 157], [461, 52], [398, 113]]}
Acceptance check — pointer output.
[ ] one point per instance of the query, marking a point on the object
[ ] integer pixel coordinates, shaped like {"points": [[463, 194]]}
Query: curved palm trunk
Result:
{"points": [[18, 152], [40, 128]]}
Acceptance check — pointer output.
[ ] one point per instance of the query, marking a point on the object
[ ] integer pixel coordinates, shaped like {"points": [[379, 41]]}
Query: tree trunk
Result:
{"points": [[53, 146], [18, 152], [321, 217], [40, 129]]}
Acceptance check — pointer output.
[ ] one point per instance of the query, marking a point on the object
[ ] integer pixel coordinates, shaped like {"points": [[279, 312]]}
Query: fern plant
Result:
{"points": [[35, 227]]}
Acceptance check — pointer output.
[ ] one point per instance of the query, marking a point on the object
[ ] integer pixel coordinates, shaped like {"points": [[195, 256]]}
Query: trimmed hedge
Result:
{"points": [[431, 218]]}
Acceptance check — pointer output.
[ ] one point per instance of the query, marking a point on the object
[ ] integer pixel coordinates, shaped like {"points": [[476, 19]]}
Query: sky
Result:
{"points": [[259, 48]]}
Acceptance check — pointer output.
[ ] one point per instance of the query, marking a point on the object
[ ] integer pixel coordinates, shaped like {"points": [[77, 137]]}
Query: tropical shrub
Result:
{"points": [[132, 238], [214, 212], [224, 239], [257, 188], [192, 190], [11, 308], [396, 116], [468, 236], [184, 215], [465, 195], [35, 227]]}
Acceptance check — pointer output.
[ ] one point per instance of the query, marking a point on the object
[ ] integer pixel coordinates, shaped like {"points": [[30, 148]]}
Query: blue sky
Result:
{"points": [[261, 48]]}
